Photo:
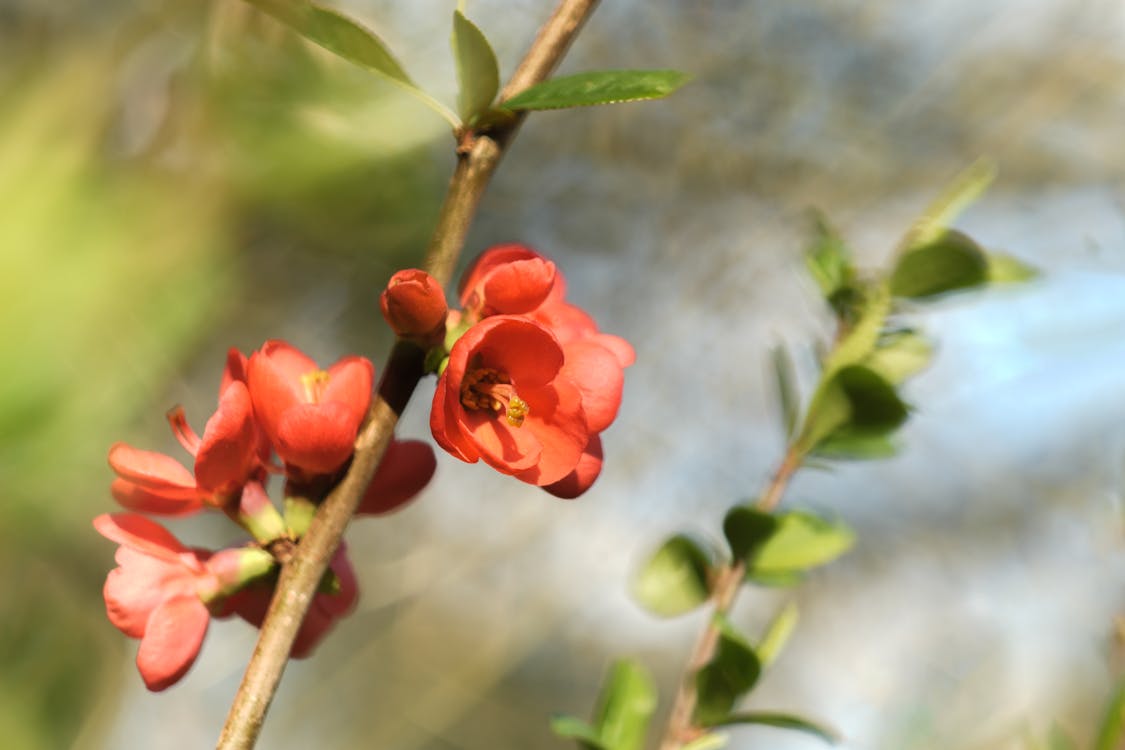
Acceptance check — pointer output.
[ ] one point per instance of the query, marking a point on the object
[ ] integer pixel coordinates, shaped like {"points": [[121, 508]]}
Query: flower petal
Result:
{"points": [[228, 452], [559, 424], [143, 535], [153, 471], [135, 588], [172, 640], [522, 349], [405, 470], [445, 426], [317, 438], [598, 374], [134, 497], [274, 387], [505, 448], [349, 384], [578, 481], [519, 286]]}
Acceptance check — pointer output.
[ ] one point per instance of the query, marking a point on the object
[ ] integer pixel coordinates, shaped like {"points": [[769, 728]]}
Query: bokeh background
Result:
{"points": [[177, 178]]}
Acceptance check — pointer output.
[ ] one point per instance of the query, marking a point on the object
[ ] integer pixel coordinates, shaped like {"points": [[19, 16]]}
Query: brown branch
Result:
{"points": [[681, 726], [477, 160]]}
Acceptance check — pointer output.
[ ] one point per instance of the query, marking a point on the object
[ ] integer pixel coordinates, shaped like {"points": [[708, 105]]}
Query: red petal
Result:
{"points": [[318, 438], [519, 286], [135, 588], [141, 534], [520, 348], [290, 360], [134, 497], [153, 471], [505, 448], [559, 424], [598, 375], [349, 384], [494, 256], [584, 474], [235, 370], [274, 388], [171, 642], [405, 470], [228, 453], [445, 426]]}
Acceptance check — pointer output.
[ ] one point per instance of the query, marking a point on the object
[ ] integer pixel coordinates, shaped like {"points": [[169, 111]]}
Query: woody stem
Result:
{"points": [[476, 162]]}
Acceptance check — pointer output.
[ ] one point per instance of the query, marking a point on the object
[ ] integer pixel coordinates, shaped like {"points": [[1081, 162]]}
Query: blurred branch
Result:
{"points": [[681, 726], [478, 156]]}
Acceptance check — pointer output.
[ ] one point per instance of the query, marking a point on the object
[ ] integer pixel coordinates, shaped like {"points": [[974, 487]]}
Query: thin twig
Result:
{"points": [[300, 577], [681, 726]]}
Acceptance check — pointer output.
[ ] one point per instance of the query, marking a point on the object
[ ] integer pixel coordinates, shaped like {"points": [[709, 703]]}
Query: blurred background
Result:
{"points": [[177, 178]]}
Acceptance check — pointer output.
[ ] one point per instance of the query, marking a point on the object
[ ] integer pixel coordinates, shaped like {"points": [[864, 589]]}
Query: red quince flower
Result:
{"points": [[406, 469], [311, 416], [505, 398], [252, 603], [507, 280], [414, 306], [160, 593], [230, 453]]}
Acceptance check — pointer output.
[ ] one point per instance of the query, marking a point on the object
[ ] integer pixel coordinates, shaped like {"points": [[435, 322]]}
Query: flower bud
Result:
{"points": [[414, 306]]}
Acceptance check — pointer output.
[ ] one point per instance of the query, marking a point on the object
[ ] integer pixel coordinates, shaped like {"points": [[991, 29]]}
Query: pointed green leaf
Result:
{"points": [[860, 340], [478, 74], [856, 446], [727, 677], [337, 33], [573, 728], [948, 262], [782, 721], [858, 409], [828, 259], [802, 541], [900, 355], [965, 188], [787, 397], [1111, 732], [676, 579], [875, 405], [777, 634], [1004, 268], [350, 40], [600, 87], [747, 529], [626, 706]]}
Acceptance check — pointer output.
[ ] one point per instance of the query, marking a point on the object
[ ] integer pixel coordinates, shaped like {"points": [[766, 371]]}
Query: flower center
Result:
{"points": [[314, 382], [485, 388]]}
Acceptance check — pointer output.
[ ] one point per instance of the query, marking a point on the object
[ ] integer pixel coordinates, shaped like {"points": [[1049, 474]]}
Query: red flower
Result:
{"points": [[159, 593], [507, 280], [406, 469], [414, 306], [311, 416], [230, 453], [504, 398], [252, 603]]}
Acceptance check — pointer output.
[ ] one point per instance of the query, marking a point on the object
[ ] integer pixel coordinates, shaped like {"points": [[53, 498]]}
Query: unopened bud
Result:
{"points": [[414, 306]]}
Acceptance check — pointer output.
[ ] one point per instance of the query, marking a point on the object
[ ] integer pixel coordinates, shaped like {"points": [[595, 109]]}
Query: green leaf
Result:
{"points": [[573, 728], [948, 262], [478, 74], [707, 742], [676, 578], [787, 397], [783, 721], [1004, 269], [777, 634], [859, 409], [600, 87], [900, 355], [802, 541], [350, 40], [858, 343], [1111, 732], [847, 444], [774, 579], [727, 677], [626, 706], [965, 188], [828, 259], [875, 404], [747, 529]]}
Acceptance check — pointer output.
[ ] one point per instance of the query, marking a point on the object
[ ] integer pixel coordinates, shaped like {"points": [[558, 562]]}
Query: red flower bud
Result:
{"points": [[414, 306]]}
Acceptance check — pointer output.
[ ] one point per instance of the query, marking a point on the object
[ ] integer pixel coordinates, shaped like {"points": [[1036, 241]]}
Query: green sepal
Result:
{"points": [[299, 512]]}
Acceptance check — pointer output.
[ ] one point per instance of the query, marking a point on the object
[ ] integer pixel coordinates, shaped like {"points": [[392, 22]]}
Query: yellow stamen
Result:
{"points": [[486, 388], [314, 382]]}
